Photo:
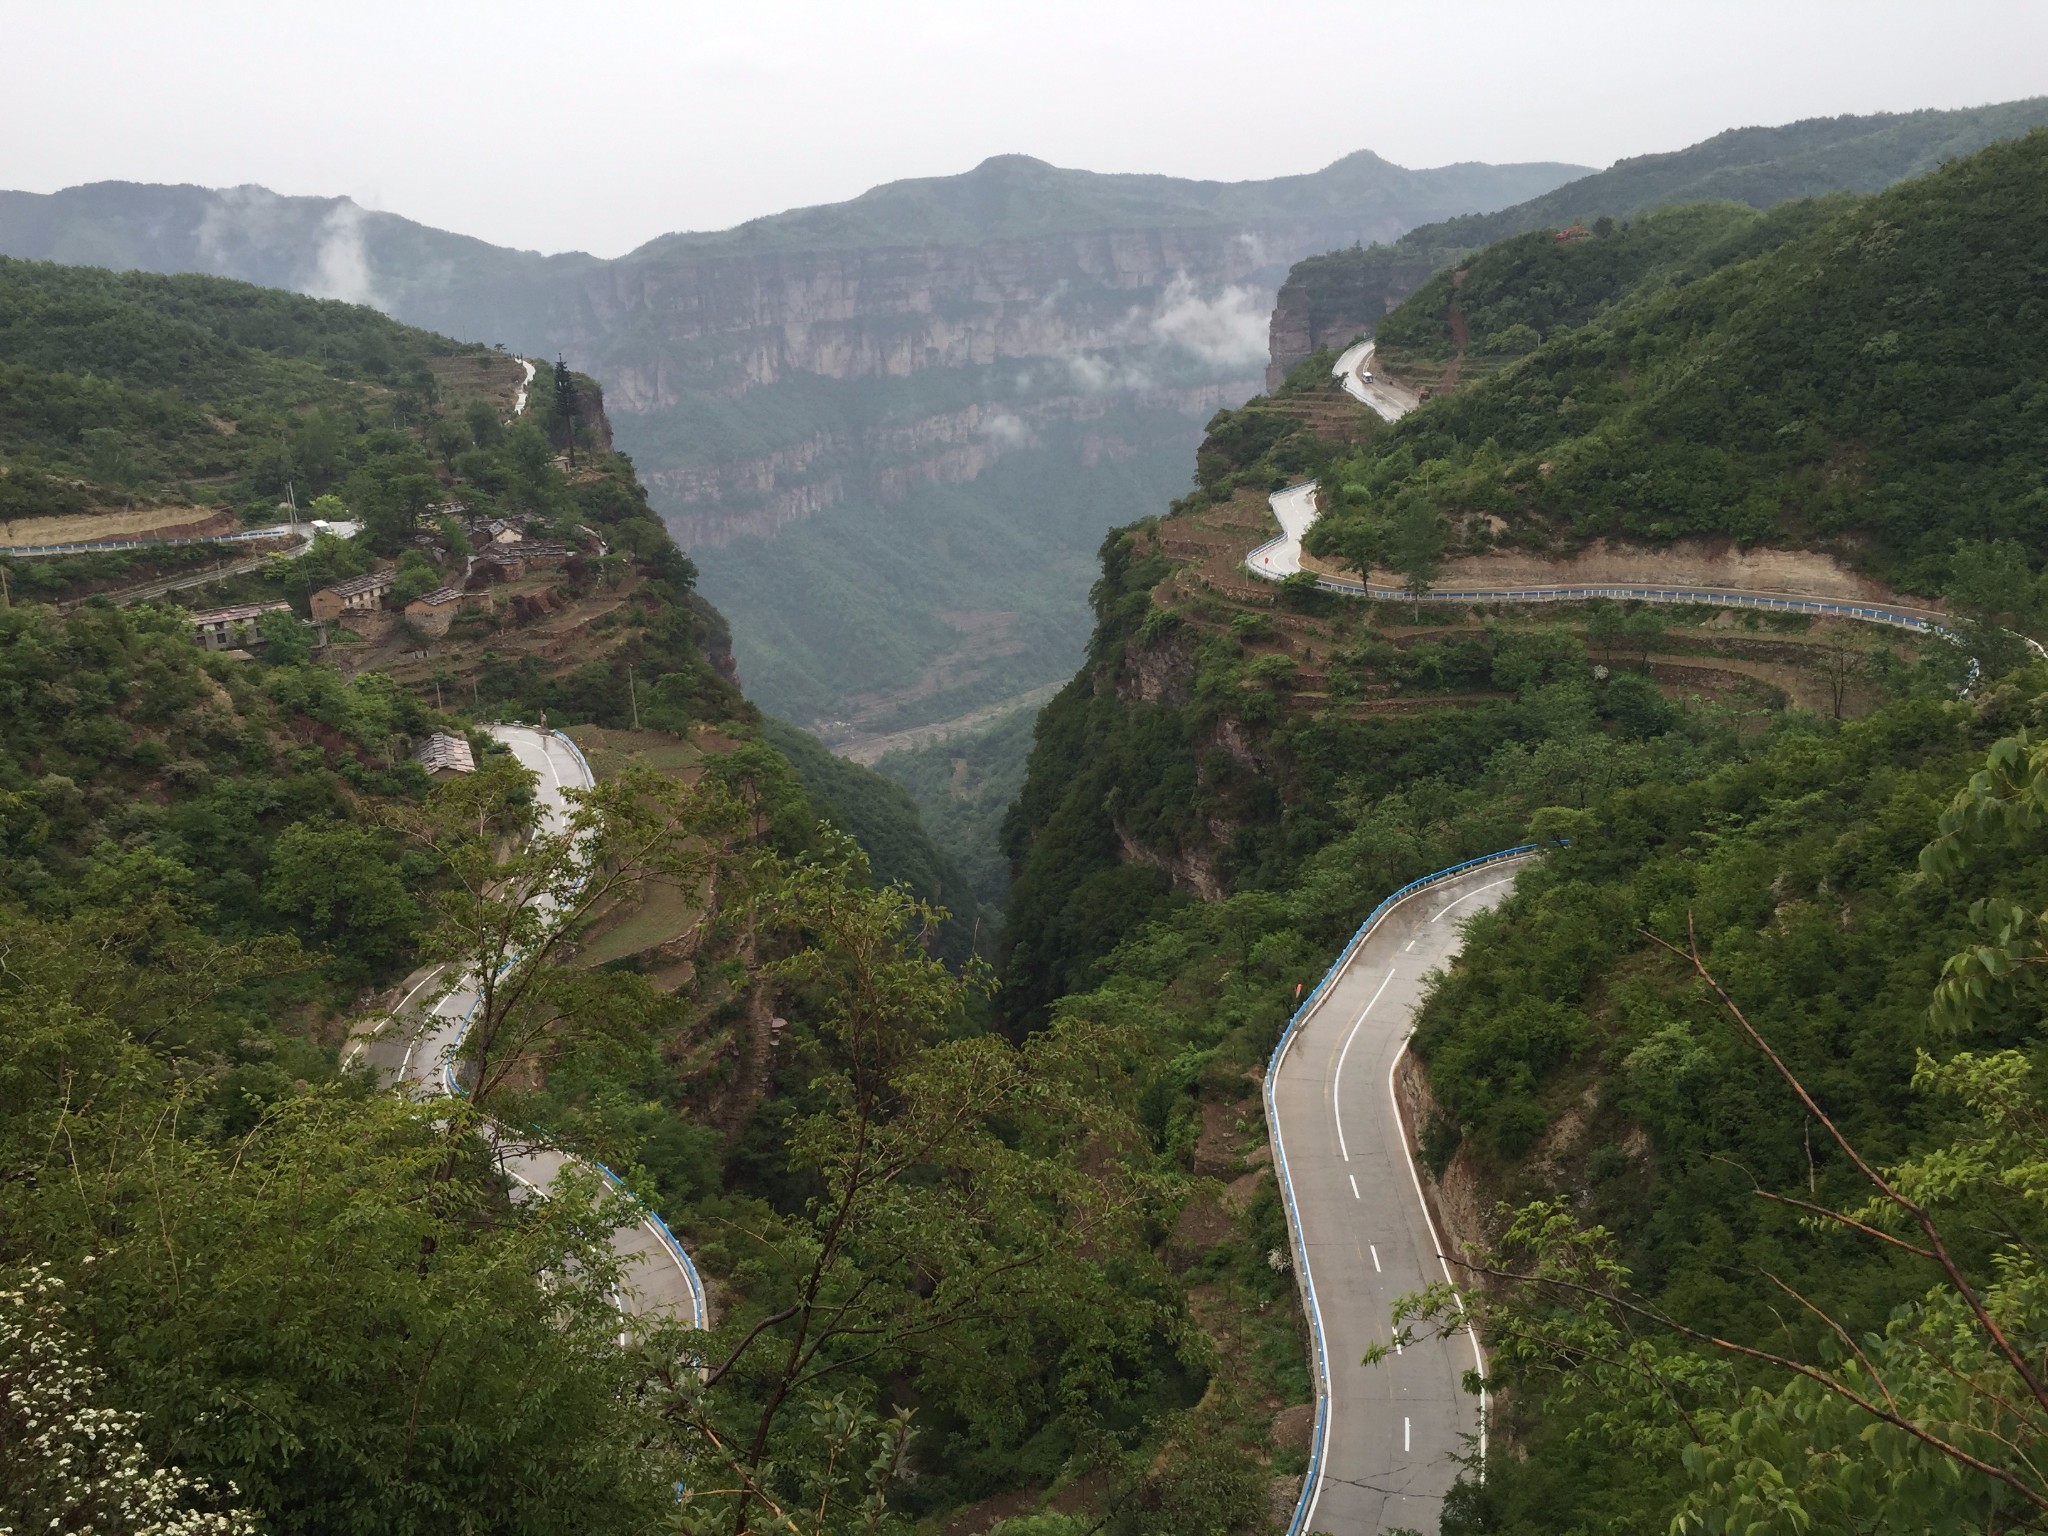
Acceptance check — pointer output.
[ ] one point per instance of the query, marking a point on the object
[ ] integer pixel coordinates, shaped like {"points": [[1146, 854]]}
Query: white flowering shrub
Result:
{"points": [[68, 1464]]}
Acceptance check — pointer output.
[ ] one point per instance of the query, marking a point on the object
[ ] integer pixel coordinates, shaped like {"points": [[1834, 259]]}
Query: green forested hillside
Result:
{"points": [[1333, 297], [883, 819], [963, 786], [1517, 294], [974, 1256], [1568, 1025], [1708, 1314], [196, 390], [1004, 607], [1872, 386], [228, 1253]]}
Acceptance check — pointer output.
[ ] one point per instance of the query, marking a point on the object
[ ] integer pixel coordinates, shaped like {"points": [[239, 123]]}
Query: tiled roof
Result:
{"points": [[442, 751], [355, 586], [239, 615]]}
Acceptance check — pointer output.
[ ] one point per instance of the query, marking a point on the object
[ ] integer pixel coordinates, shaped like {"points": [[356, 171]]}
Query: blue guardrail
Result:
{"points": [[454, 1086], [1305, 1279]]}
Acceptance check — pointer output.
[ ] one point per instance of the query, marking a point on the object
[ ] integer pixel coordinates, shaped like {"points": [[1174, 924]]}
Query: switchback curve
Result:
{"points": [[1279, 558], [657, 1277]]}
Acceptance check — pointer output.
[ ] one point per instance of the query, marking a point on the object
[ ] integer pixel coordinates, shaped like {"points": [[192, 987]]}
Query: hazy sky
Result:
{"points": [[593, 125]]}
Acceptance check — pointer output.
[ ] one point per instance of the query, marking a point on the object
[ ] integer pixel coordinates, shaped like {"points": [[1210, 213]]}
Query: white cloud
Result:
{"points": [[1006, 430], [1257, 249], [1094, 374], [341, 267], [1226, 331]]}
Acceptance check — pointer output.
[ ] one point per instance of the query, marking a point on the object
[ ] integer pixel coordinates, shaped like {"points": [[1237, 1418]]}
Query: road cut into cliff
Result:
{"points": [[1388, 400], [1474, 580], [418, 1052], [1387, 1438]]}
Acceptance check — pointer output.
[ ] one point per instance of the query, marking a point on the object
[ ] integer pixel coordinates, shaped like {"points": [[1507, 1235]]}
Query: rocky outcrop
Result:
{"points": [[715, 637], [1333, 299], [1160, 671], [1463, 1209], [896, 312], [1190, 869]]}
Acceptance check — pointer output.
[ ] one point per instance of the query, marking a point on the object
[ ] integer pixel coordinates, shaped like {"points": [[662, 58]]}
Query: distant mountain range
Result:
{"points": [[892, 429]]}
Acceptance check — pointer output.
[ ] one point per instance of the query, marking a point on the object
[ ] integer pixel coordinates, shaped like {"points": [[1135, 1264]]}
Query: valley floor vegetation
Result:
{"points": [[248, 1288]]}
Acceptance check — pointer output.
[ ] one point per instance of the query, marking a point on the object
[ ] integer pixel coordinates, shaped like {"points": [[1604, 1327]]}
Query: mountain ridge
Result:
{"points": [[803, 393], [1341, 294]]}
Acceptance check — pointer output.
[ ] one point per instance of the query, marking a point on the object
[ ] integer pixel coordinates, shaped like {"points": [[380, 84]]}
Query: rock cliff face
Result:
{"points": [[975, 349], [988, 369], [1330, 300]]}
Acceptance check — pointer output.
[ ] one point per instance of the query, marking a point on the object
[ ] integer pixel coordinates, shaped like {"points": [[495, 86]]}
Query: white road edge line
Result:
{"points": [[1337, 1077], [1314, 1303], [405, 1068]]}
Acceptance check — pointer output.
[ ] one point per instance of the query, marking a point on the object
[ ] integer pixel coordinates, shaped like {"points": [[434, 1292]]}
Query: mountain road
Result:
{"points": [[417, 1055], [1389, 401], [1391, 1434]]}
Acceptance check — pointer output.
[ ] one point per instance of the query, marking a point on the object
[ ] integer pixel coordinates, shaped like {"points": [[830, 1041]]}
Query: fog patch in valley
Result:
{"points": [[1227, 330]]}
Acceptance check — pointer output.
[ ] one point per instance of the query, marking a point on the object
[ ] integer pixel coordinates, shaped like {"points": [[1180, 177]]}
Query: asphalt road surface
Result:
{"points": [[417, 1052], [1295, 507], [1389, 401], [1365, 1239], [1296, 511]]}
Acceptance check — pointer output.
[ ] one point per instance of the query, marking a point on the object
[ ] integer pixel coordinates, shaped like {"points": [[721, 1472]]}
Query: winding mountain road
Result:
{"points": [[1295, 509], [1387, 1437], [1388, 400], [1295, 506], [417, 1054]]}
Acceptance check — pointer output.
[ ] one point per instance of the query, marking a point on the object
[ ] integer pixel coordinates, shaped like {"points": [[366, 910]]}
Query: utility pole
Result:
{"points": [[633, 693]]}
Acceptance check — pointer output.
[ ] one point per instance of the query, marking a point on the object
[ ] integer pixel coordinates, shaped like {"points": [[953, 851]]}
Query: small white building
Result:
{"points": [[224, 629]]}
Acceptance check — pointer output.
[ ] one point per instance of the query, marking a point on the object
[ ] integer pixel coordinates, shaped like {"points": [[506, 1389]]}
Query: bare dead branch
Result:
{"points": [[1821, 1378], [1942, 1257]]}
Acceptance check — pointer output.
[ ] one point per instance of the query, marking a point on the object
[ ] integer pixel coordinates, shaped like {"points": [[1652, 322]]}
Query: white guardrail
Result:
{"points": [[453, 1086], [100, 546], [1714, 597], [1304, 1278]]}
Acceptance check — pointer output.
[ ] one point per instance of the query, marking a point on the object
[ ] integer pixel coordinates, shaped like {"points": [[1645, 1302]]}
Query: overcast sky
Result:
{"points": [[591, 125]]}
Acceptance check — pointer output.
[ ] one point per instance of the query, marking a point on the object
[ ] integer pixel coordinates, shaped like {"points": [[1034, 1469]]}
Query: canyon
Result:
{"points": [[811, 396]]}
